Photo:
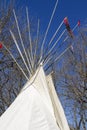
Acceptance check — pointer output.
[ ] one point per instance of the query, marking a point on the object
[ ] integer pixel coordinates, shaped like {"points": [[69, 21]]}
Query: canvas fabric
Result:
{"points": [[33, 109]]}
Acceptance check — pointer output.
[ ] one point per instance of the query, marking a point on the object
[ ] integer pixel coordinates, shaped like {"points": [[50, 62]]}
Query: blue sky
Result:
{"points": [[74, 9]]}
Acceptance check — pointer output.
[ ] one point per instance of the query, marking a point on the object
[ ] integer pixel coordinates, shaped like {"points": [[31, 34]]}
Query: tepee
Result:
{"points": [[37, 107]]}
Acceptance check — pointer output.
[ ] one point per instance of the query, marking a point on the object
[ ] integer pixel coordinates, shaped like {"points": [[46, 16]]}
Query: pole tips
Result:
{"points": [[65, 21], [79, 23], [1, 45]]}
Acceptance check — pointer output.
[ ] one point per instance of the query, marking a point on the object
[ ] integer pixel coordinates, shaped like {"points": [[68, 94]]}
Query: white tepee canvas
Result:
{"points": [[36, 107]]}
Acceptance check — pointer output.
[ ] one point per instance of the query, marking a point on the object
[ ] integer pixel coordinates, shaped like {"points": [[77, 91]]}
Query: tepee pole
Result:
{"points": [[55, 33], [56, 42], [41, 55], [72, 30], [52, 38], [19, 50], [58, 56], [16, 62], [21, 38], [28, 22], [62, 53], [38, 26], [30, 61], [48, 57]]}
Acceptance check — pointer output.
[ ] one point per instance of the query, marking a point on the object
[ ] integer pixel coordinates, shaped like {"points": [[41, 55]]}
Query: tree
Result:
{"points": [[71, 80]]}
